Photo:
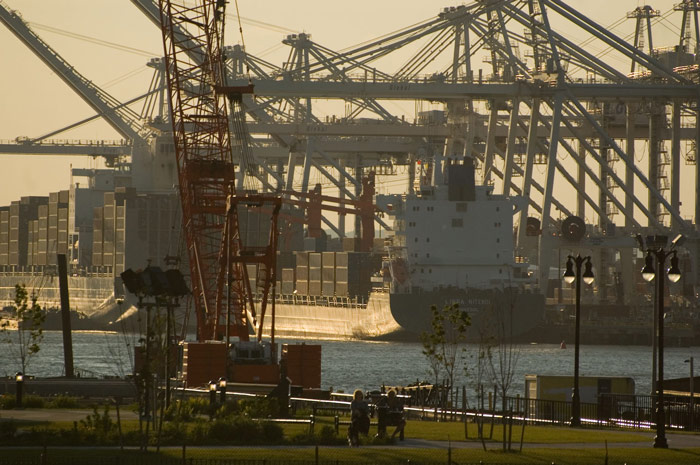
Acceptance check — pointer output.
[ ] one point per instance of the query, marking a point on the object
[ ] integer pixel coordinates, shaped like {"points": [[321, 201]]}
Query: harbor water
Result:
{"points": [[367, 365]]}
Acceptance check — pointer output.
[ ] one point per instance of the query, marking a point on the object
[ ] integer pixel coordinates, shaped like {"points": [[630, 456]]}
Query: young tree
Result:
{"points": [[444, 343], [29, 334], [502, 353]]}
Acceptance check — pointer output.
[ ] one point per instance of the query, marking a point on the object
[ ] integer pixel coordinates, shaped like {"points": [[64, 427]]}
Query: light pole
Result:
{"points": [[19, 380], [569, 277], [692, 394], [212, 393], [655, 249], [222, 390]]}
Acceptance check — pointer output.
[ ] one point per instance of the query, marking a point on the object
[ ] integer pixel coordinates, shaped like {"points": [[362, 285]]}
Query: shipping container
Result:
{"points": [[328, 275], [4, 235], [202, 362], [341, 275], [286, 288], [341, 289], [288, 275], [302, 258], [328, 260], [328, 288], [315, 260], [315, 274], [303, 364], [302, 286], [315, 288]]}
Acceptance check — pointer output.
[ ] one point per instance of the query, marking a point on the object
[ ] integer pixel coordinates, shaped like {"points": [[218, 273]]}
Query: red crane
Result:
{"points": [[223, 300]]}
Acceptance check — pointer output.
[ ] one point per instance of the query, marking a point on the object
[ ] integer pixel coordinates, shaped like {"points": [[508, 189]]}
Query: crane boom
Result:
{"points": [[224, 302], [124, 120]]}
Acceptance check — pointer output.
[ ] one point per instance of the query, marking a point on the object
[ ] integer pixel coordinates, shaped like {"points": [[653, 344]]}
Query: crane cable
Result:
{"points": [[240, 30]]}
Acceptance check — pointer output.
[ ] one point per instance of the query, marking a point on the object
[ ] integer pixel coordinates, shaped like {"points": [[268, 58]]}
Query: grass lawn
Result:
{"points": [[453, 431], [430, 430]]}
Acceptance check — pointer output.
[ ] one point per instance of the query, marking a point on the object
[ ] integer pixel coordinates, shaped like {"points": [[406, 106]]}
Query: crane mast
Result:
{"points": [[223, 300]]}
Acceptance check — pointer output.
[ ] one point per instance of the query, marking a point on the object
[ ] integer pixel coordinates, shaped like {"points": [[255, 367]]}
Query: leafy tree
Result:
{"points": [[29, 334], [444, 343]]}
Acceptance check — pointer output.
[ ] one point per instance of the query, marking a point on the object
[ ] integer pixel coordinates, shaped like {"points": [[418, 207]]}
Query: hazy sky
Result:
{"points": [[118, 41]]}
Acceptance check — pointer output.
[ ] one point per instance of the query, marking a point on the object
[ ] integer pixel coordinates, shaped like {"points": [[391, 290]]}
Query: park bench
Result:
{"points": [[311, 421]]}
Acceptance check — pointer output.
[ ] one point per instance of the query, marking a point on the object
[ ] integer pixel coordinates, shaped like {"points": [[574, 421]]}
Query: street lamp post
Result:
{"points": [[222, 390], [656, 250], [19, 380], [212, 393], [692, 394], [569, 277]]}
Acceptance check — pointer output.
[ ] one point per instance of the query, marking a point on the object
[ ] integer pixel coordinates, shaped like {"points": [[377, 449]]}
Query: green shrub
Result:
{"points": [[199, 405], [260, 407], [63, 402], [229, 408], [235, 430], [272, 432], [32, 402], [327, 436], [179, 411], [173, 433], [307, 437], [200, 432], [8, 430], [7, 402], [99, 424]]}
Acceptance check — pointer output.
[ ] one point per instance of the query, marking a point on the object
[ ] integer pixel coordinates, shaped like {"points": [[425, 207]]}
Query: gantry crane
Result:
{"points": [[128, 123]]}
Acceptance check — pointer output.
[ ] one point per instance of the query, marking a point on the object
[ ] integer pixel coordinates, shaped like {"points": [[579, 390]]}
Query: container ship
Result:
{"points": [[452, 243]]}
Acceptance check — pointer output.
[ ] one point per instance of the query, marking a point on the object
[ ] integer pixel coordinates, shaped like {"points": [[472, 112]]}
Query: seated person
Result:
{"points": [[359, 423]]}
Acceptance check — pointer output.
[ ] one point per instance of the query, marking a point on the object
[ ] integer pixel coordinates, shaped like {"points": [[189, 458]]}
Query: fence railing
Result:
{"points": [[610, 411]]}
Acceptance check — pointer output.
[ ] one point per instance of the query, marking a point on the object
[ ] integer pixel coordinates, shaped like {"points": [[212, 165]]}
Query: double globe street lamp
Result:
{"points": [[569, 277], [655, 249]]}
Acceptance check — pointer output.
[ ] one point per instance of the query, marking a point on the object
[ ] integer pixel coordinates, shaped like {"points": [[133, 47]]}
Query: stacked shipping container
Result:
{"points": [[4, 236], [341, 274], [147, 223], [302, 273]]}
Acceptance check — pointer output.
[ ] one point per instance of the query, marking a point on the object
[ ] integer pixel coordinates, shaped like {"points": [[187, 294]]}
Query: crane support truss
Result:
{"points": [[206, 171]]}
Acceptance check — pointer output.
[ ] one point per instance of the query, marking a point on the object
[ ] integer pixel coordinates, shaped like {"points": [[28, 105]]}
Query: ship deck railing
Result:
{"points": [[51, 270], [321, 301]]}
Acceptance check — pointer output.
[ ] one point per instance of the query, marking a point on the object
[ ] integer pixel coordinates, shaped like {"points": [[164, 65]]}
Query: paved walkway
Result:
{"points": [[675, 441]]}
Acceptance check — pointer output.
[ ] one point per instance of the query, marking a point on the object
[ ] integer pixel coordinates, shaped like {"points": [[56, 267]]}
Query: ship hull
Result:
{"points": [[406, 316], [384, 316], [310, 318], [505, 314], [87, 293]]}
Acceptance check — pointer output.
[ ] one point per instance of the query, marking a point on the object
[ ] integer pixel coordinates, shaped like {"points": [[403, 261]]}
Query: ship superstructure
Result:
{"points": [[459, 240]]}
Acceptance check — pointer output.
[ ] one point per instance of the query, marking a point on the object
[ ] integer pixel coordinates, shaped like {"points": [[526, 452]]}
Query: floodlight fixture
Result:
{"points": [[648, 272]]}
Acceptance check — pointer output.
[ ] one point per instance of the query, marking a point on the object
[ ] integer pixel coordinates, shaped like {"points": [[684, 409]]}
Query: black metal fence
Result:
{"points": [[611, 411]]}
